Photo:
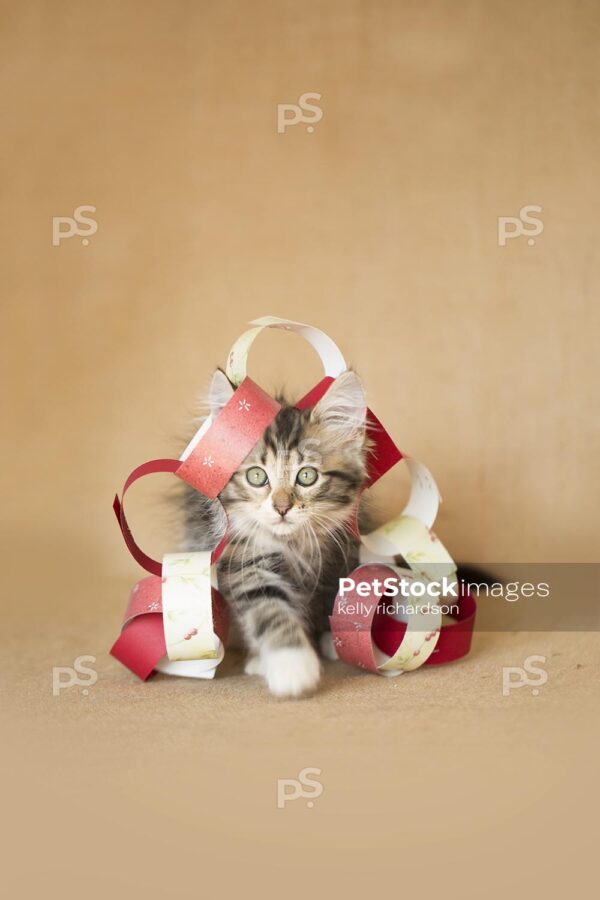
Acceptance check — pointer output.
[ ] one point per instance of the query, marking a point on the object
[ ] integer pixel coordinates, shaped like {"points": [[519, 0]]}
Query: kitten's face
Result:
{"points": [[306, 472]]}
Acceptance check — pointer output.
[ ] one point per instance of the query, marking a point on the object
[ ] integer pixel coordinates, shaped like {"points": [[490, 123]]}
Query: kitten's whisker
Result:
{"points": [[335, 534], [313, 536]]}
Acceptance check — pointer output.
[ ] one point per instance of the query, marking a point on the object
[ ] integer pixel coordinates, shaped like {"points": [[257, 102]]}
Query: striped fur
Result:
{"points": [[288, 542]]}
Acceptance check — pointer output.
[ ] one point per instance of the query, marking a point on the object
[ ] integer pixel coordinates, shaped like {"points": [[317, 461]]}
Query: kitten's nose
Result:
{"points": [[282, 503]]}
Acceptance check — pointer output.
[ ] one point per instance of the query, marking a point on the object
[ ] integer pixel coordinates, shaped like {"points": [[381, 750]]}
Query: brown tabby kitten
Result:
{"points": [[288, 505]]}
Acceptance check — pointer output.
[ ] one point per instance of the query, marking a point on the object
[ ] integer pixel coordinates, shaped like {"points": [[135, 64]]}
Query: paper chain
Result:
{"points": [[186, 618]]}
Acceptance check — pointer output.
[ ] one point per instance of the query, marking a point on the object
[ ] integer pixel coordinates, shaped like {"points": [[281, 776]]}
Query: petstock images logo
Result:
{"points": [[510, 596]]}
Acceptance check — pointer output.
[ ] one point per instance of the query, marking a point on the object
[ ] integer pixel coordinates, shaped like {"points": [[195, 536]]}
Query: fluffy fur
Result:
{"points": [[288, 540]]}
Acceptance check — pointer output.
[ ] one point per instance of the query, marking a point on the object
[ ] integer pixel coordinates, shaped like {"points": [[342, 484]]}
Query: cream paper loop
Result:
{"points": [[421, 635], [409, 535], [331, 357], [237, 361], [424, 499], [187, 607]]}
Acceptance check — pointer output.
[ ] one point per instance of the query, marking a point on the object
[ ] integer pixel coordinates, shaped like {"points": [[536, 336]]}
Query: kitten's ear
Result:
{"points": [[221, 391], [344, 405]]}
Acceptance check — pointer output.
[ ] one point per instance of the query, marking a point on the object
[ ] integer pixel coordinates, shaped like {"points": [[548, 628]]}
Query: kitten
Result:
{"points": [[288, 508]]}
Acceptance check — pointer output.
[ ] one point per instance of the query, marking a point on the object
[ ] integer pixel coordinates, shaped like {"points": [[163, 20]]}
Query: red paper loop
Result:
{"points": [[352, 635], [454, 641], [149, 468], [235, 431], [384, 453], [375, 627], [141, 645], [212, 462]]}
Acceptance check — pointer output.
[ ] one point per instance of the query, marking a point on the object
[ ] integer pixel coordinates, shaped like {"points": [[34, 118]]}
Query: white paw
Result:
{"points": [[292, 671], [254, 666], [327, 646]]}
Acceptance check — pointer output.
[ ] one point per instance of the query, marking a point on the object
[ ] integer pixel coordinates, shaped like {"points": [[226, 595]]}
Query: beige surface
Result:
{"points": [[381, 228]]}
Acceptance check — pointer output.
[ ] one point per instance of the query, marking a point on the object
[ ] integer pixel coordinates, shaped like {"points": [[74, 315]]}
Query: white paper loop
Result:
{"points": [[421, 635], [331, 357], [424, 500], [398, 536], [194, 441], [187, 607]]}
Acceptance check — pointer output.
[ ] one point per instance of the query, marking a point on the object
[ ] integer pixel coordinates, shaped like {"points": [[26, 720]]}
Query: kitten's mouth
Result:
{"points": [[282, 525]]}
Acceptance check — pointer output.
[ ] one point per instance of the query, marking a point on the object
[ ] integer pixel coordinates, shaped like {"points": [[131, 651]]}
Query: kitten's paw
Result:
{"points": [[327, 646], [254, 666], [292, 671]]}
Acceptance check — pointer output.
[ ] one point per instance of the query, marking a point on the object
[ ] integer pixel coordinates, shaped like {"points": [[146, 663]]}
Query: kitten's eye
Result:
{"points": [[307, 476], [256, 476]]}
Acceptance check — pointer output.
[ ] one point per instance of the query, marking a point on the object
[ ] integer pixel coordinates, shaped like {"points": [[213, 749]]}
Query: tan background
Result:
{"points": [[381, 228]]}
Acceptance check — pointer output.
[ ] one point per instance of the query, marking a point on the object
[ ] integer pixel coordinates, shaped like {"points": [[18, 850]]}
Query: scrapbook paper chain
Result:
{"points": [[223, 441]]}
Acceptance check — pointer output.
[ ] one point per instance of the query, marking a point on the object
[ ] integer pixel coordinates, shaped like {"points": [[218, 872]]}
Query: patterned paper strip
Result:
{"points": [[454, 640], [409, 538], [187, 606], [354, 617], [224, 446], [141, 645]]}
